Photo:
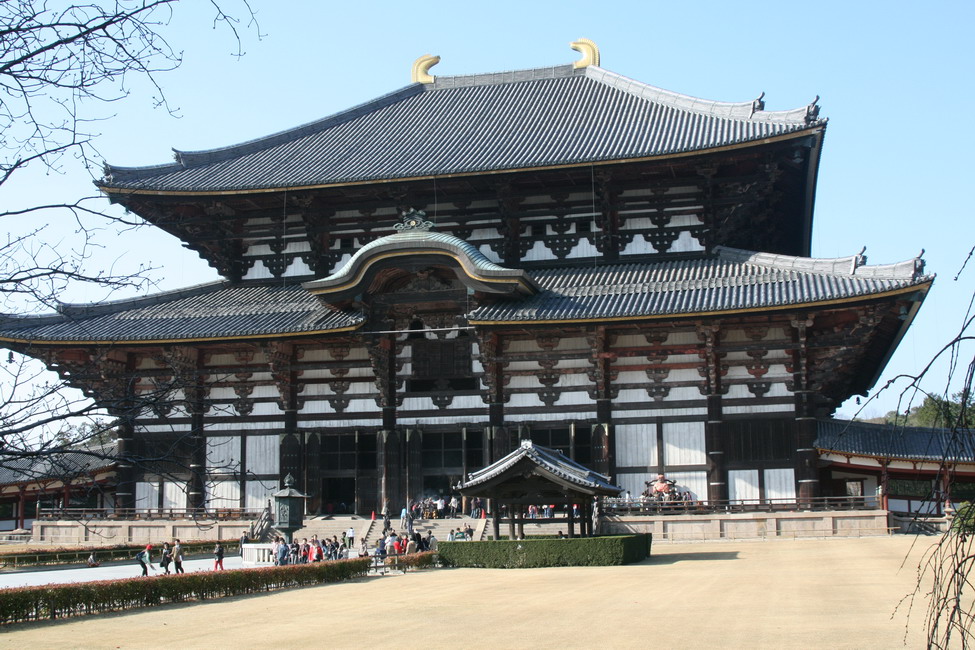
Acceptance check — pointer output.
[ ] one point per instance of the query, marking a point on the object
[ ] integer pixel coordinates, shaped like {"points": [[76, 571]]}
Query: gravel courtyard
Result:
{"points": [[834, 593]]}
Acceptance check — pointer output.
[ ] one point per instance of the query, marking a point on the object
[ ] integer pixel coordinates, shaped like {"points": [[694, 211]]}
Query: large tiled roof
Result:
{"points": [[467, 124], [548, 460], [731, 280], [215, 310], [896, 442], [56, 464]]}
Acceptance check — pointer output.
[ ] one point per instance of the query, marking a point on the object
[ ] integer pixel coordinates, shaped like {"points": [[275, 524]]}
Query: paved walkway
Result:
{"points": [[836, 593], [107, 571]]}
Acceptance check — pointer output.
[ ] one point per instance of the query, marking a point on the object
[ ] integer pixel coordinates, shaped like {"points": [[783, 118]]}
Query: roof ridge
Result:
{"points": [[852, 265], [753, 110]]}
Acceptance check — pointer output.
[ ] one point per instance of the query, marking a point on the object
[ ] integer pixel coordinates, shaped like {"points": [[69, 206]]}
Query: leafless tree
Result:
{"points": [[62, 67], [944, 584]]}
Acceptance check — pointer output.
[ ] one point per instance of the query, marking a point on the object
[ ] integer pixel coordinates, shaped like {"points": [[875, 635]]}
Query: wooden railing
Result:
{"points": [[85, 514], [642, 506]]}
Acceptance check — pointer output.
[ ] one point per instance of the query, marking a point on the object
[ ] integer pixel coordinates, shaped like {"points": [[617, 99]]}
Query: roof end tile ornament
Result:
{"points": [[421, 69], [413, 219], [812, 110], [589, 51]]}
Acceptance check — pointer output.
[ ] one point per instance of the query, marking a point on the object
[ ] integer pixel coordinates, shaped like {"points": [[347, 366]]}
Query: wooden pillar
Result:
{"points": [[496, 519], [807, 473], [521, 521], [717, 469], [389, 462], [572, 520], [21, 508], [414, 465]]}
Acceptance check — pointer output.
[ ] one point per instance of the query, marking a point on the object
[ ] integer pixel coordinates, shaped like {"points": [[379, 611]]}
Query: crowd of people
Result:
{"points": [[317, 550], [430, 508]]}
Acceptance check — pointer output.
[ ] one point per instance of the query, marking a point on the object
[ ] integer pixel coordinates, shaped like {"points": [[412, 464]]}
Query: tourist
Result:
{"points": [[167, 557], [469, 533], [431, 541], [243, 540], [454, 504], [363, 548], [92, 560], [144, 558], [178, 557], [282, 552], [218, 557]]}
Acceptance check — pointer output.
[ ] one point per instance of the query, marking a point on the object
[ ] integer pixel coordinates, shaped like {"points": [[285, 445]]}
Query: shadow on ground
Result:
{"points": [[673, 558]]}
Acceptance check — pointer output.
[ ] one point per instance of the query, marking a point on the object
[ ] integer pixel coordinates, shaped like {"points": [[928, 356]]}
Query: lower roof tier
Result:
{"points": [[731, 281]]}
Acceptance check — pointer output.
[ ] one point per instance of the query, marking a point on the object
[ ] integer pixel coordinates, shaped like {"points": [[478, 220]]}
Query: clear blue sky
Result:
{"points": [[895, 81]]}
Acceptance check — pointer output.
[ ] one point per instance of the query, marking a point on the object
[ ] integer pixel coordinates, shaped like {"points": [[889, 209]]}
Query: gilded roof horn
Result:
{"points": [[589, 51], [421, 69]]}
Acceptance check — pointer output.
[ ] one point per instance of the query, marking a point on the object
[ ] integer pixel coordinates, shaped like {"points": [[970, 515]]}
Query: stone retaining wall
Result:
{"points": [[752, 525], [139, 531]]}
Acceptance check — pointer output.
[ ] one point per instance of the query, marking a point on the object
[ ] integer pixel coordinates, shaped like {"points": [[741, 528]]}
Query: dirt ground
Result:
{"points": [[834, 593]]}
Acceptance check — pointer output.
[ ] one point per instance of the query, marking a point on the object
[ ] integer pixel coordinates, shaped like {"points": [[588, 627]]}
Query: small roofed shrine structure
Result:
{"points": [[539, 476], [413, 286]]}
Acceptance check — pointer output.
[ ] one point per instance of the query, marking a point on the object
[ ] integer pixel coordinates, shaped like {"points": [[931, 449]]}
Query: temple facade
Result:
{"points": [[415, 285]]}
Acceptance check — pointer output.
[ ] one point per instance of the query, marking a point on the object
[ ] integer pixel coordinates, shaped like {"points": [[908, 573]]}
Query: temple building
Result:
{"points": [[415, 285]]}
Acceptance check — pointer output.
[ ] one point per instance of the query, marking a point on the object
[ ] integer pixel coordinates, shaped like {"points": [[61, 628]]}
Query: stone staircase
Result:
{"points": [[439, 527], [334, 526]]}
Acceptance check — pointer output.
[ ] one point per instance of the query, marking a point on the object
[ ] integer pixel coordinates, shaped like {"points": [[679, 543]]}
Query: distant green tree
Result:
{"points": [[937, 412]]}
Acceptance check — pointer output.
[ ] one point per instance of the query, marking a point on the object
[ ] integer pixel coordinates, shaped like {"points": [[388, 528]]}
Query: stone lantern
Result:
{"points": [[289, 508]]}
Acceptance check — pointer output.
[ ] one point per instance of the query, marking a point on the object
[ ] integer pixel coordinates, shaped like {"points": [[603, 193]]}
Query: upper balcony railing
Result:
{"points": [[645, 506], [75, 514]]}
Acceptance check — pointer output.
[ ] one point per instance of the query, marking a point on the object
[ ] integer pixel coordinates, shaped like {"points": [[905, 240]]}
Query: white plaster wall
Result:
{"points": [[223, 454], [552, 416], [174, 494], [635, 484], [694, 482], [686, 243], [743, 484], [257, 493], [223, 494], [780, 483], [146, 494], [684, 443], [538, 252], [636, 445], [262, 454]]}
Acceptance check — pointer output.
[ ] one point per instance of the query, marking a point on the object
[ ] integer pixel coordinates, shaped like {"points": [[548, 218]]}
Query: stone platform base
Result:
{"points": [[138, 531], [752, 525]]}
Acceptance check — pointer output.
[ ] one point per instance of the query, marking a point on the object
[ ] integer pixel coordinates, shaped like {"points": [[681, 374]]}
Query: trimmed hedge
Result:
{"points": [[57, 601], [535, 553]]}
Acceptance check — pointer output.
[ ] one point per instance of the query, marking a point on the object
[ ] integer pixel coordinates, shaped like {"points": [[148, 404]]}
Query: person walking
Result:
{"points": [[167, 557], [144, 558], [218, 557], [178, 557]]}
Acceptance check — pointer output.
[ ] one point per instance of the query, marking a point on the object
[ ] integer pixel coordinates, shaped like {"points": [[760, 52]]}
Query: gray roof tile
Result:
{"points": [[889, 441], [475, 123], [731, 280]]}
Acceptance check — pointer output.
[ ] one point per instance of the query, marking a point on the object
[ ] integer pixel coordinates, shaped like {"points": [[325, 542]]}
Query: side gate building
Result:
{"points": [[413, 286]]}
